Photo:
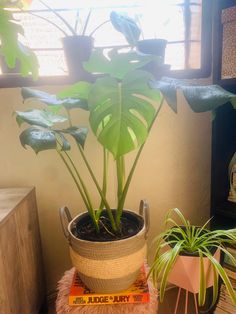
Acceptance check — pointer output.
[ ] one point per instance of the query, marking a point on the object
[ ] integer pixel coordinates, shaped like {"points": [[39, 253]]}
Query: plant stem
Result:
{"points": [[90, 210], [91, 34], [109, 211], [60, 17], [82, 183], [104, 183], [129, 178], [86, 22], [45, 19], [69, 117], [120, 176]]}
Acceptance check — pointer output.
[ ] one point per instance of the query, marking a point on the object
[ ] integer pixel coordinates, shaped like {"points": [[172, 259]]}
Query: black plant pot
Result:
{"points": [[77, 49], [154, 47]]}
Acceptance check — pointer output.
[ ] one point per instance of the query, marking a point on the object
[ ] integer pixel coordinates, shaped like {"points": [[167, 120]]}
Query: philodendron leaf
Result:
{"points": [[39, 117], [200, 98], [52, 100], [121, 112], [206, 98], [38, 139], [65, 145], [118, 64], [12, 49], [79, 90], [127, 26], [79, 134]]}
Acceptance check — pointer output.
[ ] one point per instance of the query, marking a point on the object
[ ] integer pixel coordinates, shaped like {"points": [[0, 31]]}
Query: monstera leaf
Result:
{"points": [[12, 49], [200, 98], [122, 111], [54, 100], [117, 64], [38, 139], [79, 134], [39, 117]]}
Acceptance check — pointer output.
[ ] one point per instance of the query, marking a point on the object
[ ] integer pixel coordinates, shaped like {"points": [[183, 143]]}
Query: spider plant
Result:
{"points": [[185, 239]]}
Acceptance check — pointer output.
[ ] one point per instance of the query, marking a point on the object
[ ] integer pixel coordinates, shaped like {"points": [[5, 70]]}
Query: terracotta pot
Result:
{"points": [[77, 49], [110, 266]]}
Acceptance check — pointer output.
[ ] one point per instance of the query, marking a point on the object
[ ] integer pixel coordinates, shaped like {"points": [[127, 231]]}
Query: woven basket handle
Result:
{"points": [[144, 212], [65, 218]]}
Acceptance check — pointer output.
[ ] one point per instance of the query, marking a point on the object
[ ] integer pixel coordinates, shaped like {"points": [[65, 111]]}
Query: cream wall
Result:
{"points": [[174, 171]]}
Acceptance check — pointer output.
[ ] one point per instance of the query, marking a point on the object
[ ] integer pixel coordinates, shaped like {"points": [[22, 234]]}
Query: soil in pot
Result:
{"points": [[85, 230]]}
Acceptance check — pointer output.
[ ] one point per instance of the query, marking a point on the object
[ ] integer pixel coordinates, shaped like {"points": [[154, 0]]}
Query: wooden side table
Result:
{"points": [[21, 270], [62, 306]]}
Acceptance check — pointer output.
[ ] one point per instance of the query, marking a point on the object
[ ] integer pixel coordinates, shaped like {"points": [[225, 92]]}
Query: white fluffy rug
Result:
{"points": [[62, 306]]}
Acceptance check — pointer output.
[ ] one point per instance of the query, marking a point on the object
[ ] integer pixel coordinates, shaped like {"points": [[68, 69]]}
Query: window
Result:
{"points": [[178, 21]]}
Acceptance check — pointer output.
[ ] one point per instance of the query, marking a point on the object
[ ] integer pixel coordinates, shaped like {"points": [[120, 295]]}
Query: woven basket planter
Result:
{"points": [[110, 266]]}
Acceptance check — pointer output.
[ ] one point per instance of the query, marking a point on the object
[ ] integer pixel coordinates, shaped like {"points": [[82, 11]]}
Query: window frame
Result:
{"points": [[16, 80]]}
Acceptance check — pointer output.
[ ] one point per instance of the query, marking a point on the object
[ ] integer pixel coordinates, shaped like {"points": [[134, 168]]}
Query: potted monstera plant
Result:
{"points": [[107, 242], [188, 256]]}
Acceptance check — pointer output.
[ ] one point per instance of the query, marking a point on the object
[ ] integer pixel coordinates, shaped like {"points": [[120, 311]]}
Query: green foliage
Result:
{"points": [[201, 98], [127, 26], [123, 104], [184, 238], [11, 48]]}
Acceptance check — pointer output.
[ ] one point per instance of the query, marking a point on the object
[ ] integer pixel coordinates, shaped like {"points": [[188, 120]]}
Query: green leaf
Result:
{"points": [[200, 98], [39, 117], [117, 64], [38, 139], [79, 90], [79, 134], [121, 112], [12, 49], [127, 26], [52, 100], [206, 98], [202, 289], [65, 145]]}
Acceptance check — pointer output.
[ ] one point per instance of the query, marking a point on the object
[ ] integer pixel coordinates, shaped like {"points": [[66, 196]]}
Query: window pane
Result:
{"points": [[177, 21]]}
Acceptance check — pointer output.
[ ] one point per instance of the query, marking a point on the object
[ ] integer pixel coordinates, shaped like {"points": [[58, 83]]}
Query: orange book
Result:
{"points": [[137, 293]]}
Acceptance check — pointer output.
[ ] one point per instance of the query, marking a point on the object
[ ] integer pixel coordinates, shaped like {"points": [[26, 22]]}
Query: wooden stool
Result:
{"points": [[62, 306]]}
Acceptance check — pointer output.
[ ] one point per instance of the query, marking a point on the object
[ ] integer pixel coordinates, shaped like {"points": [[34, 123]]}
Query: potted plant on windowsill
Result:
{"points": [[153, 46], [188, 256], [123, 105], [15, 56]]}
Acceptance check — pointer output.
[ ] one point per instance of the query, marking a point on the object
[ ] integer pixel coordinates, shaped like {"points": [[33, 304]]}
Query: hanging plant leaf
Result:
{"points": [[117, 64], [52, 100], [119, 116], [39, 117], [79, 134], [127, 26], [38, 139]]}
